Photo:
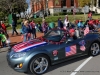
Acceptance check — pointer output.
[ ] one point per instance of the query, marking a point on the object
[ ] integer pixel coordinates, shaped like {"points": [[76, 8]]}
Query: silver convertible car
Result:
{"points": [[56, 46]]}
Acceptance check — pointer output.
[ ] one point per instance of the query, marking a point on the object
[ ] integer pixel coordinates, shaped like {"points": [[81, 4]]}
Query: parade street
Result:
{"points": [[81, 66]]}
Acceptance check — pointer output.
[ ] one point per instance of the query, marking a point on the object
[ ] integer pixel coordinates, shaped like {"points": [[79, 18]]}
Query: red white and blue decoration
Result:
{"points": [[71, 50], [27, 45], [55, 53], [82, 45]]}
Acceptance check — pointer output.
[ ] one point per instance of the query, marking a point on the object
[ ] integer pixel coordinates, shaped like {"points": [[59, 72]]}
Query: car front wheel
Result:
{"points": [[39, 64], [94, 49]]}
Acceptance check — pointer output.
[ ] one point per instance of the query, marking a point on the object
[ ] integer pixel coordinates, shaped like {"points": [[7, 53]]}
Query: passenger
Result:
{"points": [[80, 24], [72, 34]]}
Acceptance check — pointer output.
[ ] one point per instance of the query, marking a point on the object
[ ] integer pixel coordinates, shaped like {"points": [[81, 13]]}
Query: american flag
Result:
{"points": [[70, 50], [86, 31], [82, 48], [26, 45], [74, 10]]}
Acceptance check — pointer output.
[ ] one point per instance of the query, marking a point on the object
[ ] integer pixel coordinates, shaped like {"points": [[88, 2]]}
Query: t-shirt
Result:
{"points": [[80, 24], [3, 37], [66, 22]]}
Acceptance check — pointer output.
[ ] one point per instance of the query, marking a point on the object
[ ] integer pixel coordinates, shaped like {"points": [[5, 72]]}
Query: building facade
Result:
{"points": [[54, 6], [95, 6]]}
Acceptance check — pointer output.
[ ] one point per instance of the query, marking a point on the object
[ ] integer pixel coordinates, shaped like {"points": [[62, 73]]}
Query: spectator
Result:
{"points": [[3, 39], [8, 41], [3, 27], [60, 24], [39, 26], [1, 31], [33, 27], [26, 31], [66, 22], [14, 27], [44, 26], [89, 15], [22, 24]]}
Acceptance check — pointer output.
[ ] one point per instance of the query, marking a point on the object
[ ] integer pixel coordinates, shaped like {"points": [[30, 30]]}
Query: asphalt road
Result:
{"points": [[80, 66]]}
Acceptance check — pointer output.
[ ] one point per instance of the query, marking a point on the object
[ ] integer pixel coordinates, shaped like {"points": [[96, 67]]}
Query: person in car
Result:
{"points": [[72, 35]]}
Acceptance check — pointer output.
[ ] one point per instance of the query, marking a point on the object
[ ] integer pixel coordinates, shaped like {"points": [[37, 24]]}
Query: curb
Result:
{"points": [[4, 49]]}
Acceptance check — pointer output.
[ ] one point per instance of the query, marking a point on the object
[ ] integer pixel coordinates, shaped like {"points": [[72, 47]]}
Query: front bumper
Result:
{"points": [[14, 62]]}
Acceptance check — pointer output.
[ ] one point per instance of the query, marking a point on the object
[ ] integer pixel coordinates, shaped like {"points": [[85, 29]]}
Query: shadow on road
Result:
{"points": [[64, 63]]}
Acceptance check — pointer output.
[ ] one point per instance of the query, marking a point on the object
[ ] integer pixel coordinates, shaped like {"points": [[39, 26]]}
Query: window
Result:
{"points": [[63, 3], [72, 2]]}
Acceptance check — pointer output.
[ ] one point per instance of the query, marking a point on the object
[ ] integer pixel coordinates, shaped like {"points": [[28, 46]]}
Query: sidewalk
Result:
{"points": [[16, 39]]}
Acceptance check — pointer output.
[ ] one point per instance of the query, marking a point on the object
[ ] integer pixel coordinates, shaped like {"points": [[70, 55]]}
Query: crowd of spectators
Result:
{"points": [[29, 28], [4, 37]]}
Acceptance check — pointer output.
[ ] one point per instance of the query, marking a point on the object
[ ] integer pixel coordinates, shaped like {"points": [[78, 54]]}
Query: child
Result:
{"points": [[3, 39], [8, 41]]}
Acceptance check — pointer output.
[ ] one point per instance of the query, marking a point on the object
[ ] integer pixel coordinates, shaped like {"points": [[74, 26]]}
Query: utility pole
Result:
{"points": [[97, 3], [47, 7]]}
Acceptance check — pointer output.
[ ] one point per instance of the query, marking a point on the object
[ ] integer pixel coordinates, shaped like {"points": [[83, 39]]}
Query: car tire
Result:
{"points": [[94, 49], [39, 64]]}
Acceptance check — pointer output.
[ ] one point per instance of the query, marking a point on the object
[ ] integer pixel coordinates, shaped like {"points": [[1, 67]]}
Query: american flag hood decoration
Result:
{"points": [[28, 45]]}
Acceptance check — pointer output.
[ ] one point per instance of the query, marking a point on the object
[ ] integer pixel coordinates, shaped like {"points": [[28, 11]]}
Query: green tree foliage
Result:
{"points": [[12, 6], [82, 3]]}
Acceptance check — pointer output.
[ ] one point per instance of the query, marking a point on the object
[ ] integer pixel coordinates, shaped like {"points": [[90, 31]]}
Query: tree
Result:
{"points": [[13, 6], [82, 3]]}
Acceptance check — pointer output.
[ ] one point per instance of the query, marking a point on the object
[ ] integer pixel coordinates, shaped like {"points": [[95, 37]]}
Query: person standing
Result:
{"points": [[14, 27], [22, 24], [60, 24], [90, 15], [66, 22], [26, 31], [3, 27], [33, 28], [44, 26]]}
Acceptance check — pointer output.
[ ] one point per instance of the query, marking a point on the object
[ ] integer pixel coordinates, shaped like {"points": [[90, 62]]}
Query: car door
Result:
{"points": [[69, 49]]}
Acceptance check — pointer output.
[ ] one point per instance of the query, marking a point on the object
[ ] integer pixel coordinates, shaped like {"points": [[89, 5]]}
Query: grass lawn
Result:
{"points": [[54, 19]]}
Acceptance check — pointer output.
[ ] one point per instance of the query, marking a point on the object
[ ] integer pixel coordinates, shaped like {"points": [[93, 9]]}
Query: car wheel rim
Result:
{"points": [[40, 65], [95, 48]]}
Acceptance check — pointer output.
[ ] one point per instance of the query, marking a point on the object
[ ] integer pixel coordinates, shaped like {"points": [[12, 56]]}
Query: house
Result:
{"points": [[53, 6], [95, 6]]}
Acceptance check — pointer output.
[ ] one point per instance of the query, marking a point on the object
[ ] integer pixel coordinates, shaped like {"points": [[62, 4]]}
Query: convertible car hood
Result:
{"points": [[25, 46]]}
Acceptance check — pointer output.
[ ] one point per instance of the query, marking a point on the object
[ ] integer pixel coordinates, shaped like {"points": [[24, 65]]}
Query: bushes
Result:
{"points": [[55, 18]]}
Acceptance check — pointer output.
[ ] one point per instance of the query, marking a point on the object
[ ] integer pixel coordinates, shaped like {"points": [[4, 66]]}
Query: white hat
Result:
{"points": [[66, 15]]}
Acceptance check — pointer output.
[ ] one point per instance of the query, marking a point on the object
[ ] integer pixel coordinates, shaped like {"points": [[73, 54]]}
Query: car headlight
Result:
{"points": [[18, 55]]}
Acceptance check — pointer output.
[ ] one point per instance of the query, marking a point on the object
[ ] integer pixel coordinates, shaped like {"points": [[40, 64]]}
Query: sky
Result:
{"points": [[29, 8]]}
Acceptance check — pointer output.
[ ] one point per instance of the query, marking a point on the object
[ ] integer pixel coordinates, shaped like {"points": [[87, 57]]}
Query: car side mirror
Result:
{"points": [[69, 40]]}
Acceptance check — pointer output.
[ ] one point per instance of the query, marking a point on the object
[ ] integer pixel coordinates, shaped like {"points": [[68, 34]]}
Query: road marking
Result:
{"points": [[77, 70]]}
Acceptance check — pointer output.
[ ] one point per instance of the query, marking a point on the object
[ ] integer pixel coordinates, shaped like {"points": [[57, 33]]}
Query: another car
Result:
{"points": [[55, 47]]}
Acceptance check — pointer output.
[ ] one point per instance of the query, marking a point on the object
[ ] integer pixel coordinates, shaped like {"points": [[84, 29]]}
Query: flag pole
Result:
{"points": [[74, 10], [84, 14]]}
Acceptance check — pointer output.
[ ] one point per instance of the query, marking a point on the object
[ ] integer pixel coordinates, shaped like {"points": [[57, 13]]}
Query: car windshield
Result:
{"points": [[54, 35]]}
